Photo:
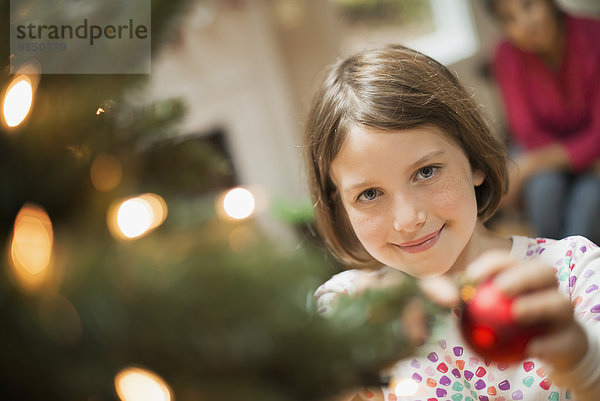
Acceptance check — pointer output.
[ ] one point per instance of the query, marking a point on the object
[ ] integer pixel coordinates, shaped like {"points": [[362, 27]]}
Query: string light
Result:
{"points": [[238, 203], [135, 384], [31, 246], [158, 206], [136, 216], [17, 101], [405, 387]]}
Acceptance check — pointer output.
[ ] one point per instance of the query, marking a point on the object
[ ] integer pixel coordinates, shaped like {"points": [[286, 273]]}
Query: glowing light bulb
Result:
{"points": [[136, 216], [135, 384], [99, 111], [238, 203], [406, 387], [31, 246], [158, 206], [17, 101]]}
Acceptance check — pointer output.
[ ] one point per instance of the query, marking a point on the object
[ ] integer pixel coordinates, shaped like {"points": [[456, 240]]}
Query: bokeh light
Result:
{"points": [[137, 216], [134, 217], [31, 246], [106, 172], [17, 101], [158, 206], [405, 387], [467, 292], [136, 384], [238, 203]]}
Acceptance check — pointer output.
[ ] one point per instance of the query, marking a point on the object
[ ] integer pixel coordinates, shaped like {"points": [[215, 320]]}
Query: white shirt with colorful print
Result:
{"points": [[446, 368]]}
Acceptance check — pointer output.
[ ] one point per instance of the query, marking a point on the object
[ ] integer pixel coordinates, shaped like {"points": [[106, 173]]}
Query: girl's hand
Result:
{"points": [[537, 300]]}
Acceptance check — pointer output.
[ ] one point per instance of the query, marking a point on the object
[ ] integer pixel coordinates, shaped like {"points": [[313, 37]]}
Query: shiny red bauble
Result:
{"points": [[488, 326]]}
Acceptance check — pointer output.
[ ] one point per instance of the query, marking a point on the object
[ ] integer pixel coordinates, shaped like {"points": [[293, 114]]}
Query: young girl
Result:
{"points": [[403, 173]]}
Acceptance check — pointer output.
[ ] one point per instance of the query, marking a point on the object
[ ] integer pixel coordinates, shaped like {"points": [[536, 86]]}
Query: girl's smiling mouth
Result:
{"points": [[421, 244]]}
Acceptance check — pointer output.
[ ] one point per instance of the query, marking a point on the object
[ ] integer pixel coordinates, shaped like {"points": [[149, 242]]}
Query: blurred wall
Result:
{"points": [[474, 71], [246, 66]]}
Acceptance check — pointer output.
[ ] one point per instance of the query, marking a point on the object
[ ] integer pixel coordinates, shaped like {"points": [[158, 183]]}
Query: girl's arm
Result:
{"points": [[349, 282], [353, 282], [571, 347], [584, 378]]}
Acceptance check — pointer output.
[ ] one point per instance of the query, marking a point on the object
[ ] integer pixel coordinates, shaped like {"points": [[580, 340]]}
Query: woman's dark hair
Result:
{"points": [[491, 7]]}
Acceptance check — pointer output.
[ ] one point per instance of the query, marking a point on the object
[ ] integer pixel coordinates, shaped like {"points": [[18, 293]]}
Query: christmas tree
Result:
{"points": [[119, 278]]}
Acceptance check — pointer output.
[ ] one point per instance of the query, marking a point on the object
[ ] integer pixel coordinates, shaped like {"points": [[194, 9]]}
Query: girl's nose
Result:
{"points": [[409, 214]]}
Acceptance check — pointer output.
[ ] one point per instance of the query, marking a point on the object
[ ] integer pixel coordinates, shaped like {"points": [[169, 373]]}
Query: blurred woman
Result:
{"points": [[548, 70]]}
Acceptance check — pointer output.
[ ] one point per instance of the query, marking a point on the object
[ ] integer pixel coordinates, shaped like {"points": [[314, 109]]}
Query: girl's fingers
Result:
{"points": [[441, 290], [562, 349], [543, 306], [537, 300], [525, 277], [511, 277]]}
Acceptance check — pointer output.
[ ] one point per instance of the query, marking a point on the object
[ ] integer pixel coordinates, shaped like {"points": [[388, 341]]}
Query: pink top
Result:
{"points": [[545, 106]]}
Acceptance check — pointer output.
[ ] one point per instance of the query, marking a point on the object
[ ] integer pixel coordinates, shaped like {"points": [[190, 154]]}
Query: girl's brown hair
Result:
{"points": [[390, 89]]}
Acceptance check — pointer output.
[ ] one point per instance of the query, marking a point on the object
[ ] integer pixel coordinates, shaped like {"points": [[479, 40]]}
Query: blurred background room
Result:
{"points": [[156, 228], [248, 69]]}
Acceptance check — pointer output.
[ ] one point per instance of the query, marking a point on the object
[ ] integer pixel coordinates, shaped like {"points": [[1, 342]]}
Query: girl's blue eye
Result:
{"points": [[428, 171], [368, 195]]}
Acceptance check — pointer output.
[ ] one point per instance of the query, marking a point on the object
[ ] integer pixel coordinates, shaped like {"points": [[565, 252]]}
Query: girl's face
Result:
{"points": [[530, 25], [409, 195]]}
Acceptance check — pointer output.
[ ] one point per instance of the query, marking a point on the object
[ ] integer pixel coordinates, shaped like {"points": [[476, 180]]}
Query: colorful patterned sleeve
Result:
{"points": [[342, 283], [580, 266], [352, 282]]}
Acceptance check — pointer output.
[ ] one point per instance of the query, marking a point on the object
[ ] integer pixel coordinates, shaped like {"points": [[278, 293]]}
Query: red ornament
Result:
{"points": [[488, 325]]}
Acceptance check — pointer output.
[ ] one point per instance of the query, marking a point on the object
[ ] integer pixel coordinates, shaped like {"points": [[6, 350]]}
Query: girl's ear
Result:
{"points": [[478, 177]]}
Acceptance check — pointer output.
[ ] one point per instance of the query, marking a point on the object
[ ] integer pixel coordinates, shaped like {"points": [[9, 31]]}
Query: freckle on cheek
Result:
{"points": [[446, 194], [451, 196]]}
